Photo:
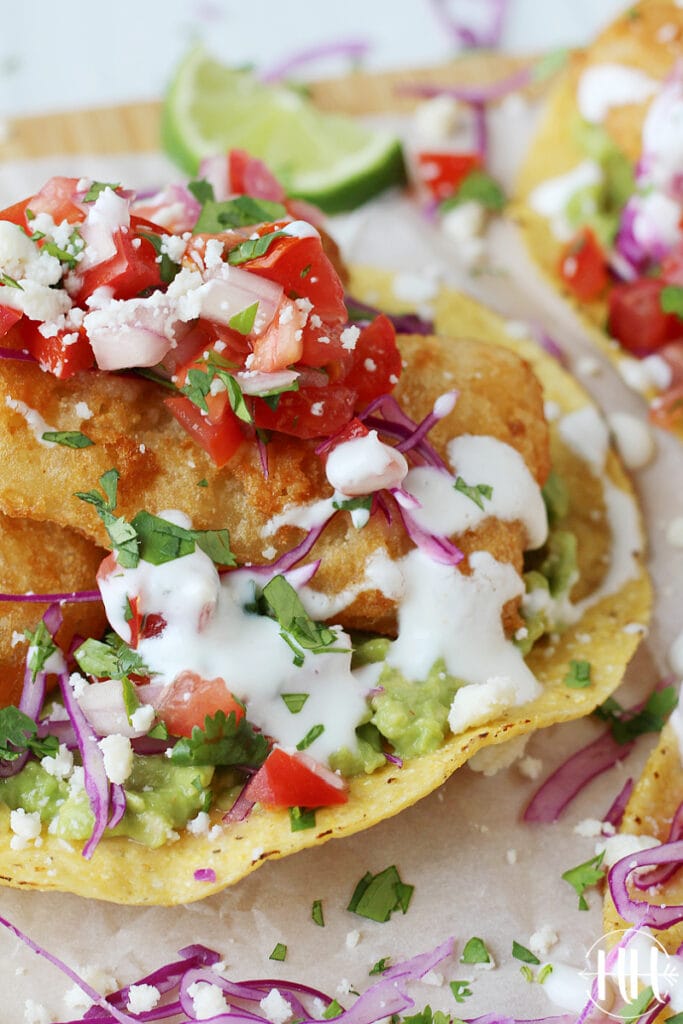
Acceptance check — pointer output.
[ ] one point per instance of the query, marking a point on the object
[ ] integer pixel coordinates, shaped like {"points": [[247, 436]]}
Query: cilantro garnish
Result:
{"points": [[296, 627], [475, 952], [378, 896], [295, 701], [461, 990], [121, 534], [200, 384], [671, 299], [351, 504], [240, 212], [626, 726], [579, 675], [333, 1010], [109, 659], [522, 953], [42, 647], [279, 953], [10, 282], [585, 875], [475, 493], [202, 190], [97, 188], [252, 248], [427, 1017], [381, 966], [203, 482], [18, 733], [310, 737], [478, 187], [68, 438], [244, 320], [131, 700], [222, 741], [317, 913], [634, 1010], [168, 268], [301, 819]]}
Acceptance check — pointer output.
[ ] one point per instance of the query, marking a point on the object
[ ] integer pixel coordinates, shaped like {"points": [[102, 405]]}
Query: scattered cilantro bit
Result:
{"points": [[161, 541], [351, 504], [158, 732], [378, 896], [478, 187], [626, 726], [200, 383], [544, 972], [477, 493], [121, 534], [522, 953], [671, 299], [110, 658], [333, 1010], [97, 188], [310, 737], [279, 953], [305, 271], [68, 438], [381, 966], [296, 627], [252, 248], [244, 320], [301, 818], [42, 647], [295, 701], [475, 952], [635, 1009], [222, 741], [202, 190], [461, 990], [583, 876], [427, 1017], [526, 973], [676, 1019], [18, 734], [240, 212], [168, 268], [579, 675], [131, 700], [10, 282], [203, 482], [317, 913]]}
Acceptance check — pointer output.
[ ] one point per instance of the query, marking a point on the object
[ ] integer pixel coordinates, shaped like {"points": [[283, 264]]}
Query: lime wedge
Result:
{"points": [[329, 159]]}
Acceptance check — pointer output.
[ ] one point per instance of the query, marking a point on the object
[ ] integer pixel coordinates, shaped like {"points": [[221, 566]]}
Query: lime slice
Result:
{"points": [[330, 160]]}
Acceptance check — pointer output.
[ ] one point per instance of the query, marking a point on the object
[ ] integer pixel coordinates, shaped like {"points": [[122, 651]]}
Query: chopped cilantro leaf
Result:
{"points": [[477, 493], [18, 734], [301, 819], [478, 187], [222, 741], [131, 700], [579, 675], [202, 190], [97, 188], [296, 627], [671, 299], [522, 953], [109, 659], [676, 1019], [159, 540], [122, 535], [317, 913], [461, 990], [634, 1010], [203, 482], [168, 268], [310, 737], [42, 647], [378, 896], [351, 504], [279, 953], [295, 701], [243, 322], [252, 248], [68, 438], [240, 212], [583, 876], [626, 726], [333, 1010], [236, 398], [475, 952], [10, 282], [381, 966]]}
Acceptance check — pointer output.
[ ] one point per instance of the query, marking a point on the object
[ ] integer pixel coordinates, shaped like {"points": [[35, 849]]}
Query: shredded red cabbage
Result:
{"points": [[118, 804], [640, 912], [662, 874], [241, 808], [404, 323], [354, 49], [618, 806]]}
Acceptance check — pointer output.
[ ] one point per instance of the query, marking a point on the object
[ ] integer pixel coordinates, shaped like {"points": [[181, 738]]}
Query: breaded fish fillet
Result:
{"points": [[161, 467], [42, 558]]}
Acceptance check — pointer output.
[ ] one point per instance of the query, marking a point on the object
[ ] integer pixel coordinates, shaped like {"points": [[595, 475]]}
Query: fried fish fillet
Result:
{"points": [[46, 559], [161, 466]]}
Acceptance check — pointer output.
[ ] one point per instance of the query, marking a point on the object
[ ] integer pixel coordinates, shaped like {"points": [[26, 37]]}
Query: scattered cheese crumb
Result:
{"points": [[61, 764], [530, 767], [542, 941], [83, 411], [142, 998], [276, 1007], [207, 999], [200, 825], [511, 856], [352, 939], [35, 1013], [118, 757], [619, 846], [142, 718], [589, 828], [434, 978], [26, 827]]}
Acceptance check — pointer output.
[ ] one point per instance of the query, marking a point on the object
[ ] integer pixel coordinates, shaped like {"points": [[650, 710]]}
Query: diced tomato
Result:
{"points": [[8, 318], [442, 173], [63, 354], [295, 780], [583, 266], [666, 411], [304, 271], [189, 699], [16, 214], [314, 411], [131, 270], [636, 318], [672, 266], [353, 429], [221, 440], [376, 361], [250, 176], [58, 198]]}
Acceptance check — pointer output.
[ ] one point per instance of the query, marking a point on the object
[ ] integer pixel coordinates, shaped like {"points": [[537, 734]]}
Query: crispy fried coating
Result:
{"points": [[44, 559], [161, 466]]}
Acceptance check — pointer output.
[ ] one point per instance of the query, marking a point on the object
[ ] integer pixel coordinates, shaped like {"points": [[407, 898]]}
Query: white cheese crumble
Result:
{"points": [[142, 998], [543, 940], [199, 826], [26, 827], [208, 1000], [142, 718], [617, 847], [480, 702], [118, 757], [352, 939], [36, 1013], [276, 1007], [83, 411], [61, 764], [530, 767]]}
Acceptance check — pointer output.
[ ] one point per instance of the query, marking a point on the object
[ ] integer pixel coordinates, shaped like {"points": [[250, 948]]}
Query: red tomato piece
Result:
{"points": [[250, 176], [295, 780], [132, 269], [190, 698], [583, 266], [301, 266], [221, 440], [636, 318], [8, 318], [16, 213], [58, 198], [443, 173], [309, 412], [672, 266], [377, 361], [64, 354]]}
